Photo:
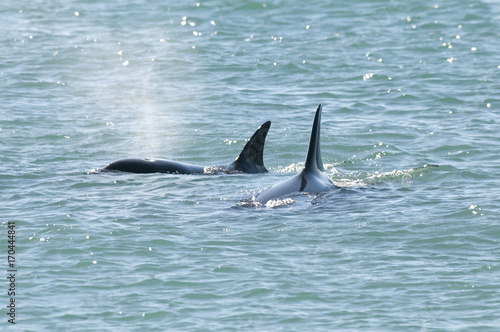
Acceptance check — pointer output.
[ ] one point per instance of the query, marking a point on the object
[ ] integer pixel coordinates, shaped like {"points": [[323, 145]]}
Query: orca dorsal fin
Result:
{"points": [[251, 158], [313, 159]]}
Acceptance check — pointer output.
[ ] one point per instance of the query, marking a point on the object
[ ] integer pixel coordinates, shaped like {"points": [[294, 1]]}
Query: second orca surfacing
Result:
{"points": [[250, 160], [311, 179]]}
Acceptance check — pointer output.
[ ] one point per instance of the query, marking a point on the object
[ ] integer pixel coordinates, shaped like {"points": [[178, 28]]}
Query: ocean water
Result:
{"points": [[410, 133]]}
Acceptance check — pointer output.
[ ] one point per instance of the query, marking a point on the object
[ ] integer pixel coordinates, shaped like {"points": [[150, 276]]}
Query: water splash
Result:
{"points": [[363, 179]]}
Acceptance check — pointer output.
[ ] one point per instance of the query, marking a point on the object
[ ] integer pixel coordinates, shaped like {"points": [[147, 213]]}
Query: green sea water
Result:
{"points": [[410, 241]]}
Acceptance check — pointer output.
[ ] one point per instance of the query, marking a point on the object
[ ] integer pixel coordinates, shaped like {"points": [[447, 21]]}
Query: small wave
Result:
{"points": [[93, 171], [361, 179], [279, 202], [294, 167], [272, 203]]}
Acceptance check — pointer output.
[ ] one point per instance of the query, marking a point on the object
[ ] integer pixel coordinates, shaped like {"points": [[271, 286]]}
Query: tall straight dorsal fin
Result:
{"points": [[251, 158], [313, 159]]}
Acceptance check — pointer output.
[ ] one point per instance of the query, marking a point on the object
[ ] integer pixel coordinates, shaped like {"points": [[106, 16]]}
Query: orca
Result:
{"points": [[311, 179], [250, 160]]}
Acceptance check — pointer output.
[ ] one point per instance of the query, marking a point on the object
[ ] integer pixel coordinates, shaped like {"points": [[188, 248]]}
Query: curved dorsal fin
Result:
{"points": [[313, 159], [251, 158]]}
